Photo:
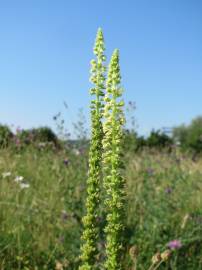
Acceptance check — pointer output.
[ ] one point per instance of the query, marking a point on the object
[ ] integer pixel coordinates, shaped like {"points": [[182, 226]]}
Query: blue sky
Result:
{"points": [[46, 47]]}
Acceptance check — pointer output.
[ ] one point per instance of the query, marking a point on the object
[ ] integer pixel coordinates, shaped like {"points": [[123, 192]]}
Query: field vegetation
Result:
{"points": [[42, 202]]}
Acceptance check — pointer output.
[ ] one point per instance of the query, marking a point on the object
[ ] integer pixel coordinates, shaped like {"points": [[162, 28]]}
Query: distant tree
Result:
{"points": [[158, 139], [180, 134], [6, 135], [25, 136], [132, 141], [38, 135], [44, 134], [190, 136]]}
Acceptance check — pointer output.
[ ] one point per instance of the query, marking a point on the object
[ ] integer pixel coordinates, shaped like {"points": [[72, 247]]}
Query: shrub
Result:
{"points": [[6, 135]]}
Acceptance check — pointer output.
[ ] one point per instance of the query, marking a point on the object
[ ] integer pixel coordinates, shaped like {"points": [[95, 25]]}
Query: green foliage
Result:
{"points": [[180, 134], [158, 139], [112, 165], [90, 220], [190, 137], [37, 135], [132, 142], [6, 135], [41, 225], [25, 136], [44, 134], [41, 205]]}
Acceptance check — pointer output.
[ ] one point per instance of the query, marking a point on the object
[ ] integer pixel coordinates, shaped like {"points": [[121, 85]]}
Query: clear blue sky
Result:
{"points": [[46, 47]]}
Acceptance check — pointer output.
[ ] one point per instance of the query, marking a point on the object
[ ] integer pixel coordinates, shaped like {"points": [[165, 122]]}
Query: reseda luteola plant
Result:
{"points": [[112, 165], [90, 221], [105, 159]]}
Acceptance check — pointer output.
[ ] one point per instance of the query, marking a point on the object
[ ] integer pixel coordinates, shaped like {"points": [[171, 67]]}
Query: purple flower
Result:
{"points": [[168, 190], [174, 244], [64, 216], [17, 141], [150, 171], [66, 161]]}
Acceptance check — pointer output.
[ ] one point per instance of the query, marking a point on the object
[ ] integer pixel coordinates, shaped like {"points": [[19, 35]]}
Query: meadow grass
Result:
{"points": [[41, 212]]}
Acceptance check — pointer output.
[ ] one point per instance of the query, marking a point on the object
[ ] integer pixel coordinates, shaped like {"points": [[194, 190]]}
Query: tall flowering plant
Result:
{"points": [[107, 120], [112, 165], [90, 220]]}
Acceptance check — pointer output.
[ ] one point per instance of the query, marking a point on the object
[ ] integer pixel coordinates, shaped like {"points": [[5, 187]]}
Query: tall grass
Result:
{"points": [[40, 226]]}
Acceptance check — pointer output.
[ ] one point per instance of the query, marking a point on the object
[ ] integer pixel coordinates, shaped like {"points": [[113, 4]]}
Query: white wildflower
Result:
{"points": [[19, 179], [76, 152], [6, 174], [24, 185]]}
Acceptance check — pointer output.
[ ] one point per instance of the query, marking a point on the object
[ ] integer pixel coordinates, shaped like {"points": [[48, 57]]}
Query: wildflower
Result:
{"points": [[174, 244], [76, 152], [64, 215], [150, 171], [81, 151], [156, 258], [19, 179], [24, 185], [59, 266], [165, 255], [133, 251], [168, 190], [66, 161], [65, 262], [42, 145], [6, 174], [17, 141]]}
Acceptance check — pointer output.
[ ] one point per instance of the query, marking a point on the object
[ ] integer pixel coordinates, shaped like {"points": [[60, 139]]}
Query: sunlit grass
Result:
{"points": [[40, 225]]}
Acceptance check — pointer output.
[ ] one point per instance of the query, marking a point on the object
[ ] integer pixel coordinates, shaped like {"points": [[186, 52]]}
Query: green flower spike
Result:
{"points": [[114, 183], [90, 221]]}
